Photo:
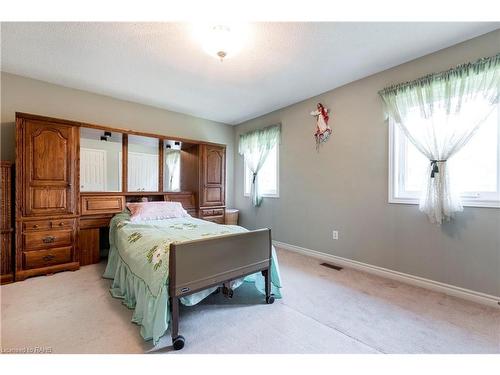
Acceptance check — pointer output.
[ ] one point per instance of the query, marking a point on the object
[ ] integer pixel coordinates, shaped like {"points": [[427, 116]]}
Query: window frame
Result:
{"points": [[395, 169], [264, 195]]}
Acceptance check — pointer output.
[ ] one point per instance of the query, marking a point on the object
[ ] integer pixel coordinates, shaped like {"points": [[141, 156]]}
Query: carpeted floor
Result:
{"points": [[323, 311]]}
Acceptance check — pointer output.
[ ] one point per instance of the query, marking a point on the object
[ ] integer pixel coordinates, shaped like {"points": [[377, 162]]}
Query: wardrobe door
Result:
{"points": [[213, 165], [50, 165]]}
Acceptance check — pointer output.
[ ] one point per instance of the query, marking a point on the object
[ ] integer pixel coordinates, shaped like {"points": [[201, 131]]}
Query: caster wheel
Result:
{"points": [[228, 292], [270, 299], [178, 342]]}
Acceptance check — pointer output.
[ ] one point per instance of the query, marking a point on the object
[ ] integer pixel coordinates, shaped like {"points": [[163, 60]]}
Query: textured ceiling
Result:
{"points": [[163, 65]]}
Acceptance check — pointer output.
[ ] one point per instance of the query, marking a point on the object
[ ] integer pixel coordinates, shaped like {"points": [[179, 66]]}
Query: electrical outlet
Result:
{"points": [[335, 234]]}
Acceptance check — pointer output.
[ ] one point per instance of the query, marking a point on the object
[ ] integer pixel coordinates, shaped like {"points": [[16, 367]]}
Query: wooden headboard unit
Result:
{"points": [[60, 228]]}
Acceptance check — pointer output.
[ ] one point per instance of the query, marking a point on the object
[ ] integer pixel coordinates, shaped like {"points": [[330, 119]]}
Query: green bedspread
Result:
{"points": [[138, 264]]}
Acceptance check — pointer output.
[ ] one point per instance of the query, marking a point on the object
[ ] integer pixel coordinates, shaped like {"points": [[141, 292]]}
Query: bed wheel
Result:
{"points": [[270, 299], [178, 342], [228, 292]]}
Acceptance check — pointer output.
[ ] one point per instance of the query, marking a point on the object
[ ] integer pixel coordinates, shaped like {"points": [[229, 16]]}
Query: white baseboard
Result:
{"points": [[451, 290]]}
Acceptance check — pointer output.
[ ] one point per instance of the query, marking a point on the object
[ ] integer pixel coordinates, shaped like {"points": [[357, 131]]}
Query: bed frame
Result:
{"points": [[200, 264]]}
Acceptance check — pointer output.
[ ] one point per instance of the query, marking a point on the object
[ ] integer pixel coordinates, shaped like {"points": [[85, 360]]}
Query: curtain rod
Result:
{"points": [[475, 67]]}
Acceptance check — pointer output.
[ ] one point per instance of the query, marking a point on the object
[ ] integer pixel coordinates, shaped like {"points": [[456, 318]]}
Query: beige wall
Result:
{"points": [[344, 186], [23, 94]]}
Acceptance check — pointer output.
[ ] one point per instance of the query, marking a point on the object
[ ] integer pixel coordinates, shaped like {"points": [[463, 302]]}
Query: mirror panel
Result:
{"points": [[143, 163], [171, 165], [100, 160]]}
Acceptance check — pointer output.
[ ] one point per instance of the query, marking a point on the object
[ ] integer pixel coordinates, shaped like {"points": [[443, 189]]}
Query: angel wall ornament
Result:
{"points": [[323, 131]]}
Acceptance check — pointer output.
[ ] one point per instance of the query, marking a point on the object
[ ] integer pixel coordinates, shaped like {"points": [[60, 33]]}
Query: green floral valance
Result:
{"points": [[259, 138], [461, 71]]}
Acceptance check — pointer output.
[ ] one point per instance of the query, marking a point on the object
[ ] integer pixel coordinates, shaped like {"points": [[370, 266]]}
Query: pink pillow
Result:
{"points": [[156, 210]]}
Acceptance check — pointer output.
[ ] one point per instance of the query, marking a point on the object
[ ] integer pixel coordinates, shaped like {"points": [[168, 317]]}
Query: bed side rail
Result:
{"points": [[199, 264]]}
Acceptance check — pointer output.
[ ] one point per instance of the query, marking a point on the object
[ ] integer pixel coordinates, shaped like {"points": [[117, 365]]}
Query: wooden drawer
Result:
{"points": [[102, 204], [49, 224], [45, 239], [212, 212], [36, 225], [45, 258], [218, 211], [204, 213], [215, 215], [215, 219], [62, 224]]}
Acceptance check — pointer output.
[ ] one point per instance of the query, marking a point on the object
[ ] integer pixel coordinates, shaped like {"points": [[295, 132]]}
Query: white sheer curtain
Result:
{"points": [[172, 161], [255, 147], [439, 114]]}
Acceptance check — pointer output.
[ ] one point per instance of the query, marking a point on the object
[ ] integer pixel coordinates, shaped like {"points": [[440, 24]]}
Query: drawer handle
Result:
{"points": [[48, 239], [48, 257], [61, 224], [35, 226]]}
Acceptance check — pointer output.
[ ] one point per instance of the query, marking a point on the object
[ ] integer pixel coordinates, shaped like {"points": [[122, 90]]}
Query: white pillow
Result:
{"points": [[156, 210]]}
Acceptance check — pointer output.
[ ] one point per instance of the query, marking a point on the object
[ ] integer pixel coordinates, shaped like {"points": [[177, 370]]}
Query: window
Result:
{"points": [[268, 176], [475, 167]]}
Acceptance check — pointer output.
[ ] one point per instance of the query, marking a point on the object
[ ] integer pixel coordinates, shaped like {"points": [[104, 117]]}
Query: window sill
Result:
{"points": [[264, 195], [465, 202]]}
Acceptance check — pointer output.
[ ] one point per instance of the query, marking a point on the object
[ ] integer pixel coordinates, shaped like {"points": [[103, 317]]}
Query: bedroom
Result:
{"points": [[250, 187]]}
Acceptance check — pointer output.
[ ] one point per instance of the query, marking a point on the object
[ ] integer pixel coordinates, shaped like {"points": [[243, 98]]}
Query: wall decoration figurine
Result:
{"points": [[323, 131]]}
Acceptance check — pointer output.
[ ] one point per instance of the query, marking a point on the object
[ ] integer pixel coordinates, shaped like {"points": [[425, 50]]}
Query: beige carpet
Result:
{"points": [[323, 311]]}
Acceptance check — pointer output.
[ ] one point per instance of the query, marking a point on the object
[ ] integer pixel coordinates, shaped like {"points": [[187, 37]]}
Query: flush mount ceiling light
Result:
{"points": [[221, 41]]}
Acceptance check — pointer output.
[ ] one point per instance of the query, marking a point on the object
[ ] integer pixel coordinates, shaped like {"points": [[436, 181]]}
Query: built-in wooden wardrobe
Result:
{"points": [[59, 227]]}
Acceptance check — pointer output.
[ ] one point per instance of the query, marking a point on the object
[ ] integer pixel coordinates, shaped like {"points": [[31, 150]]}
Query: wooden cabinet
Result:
{"points": [[46, 196], [212, 183], [213, 175], [58, 228], [6, 230], [49, 168]]}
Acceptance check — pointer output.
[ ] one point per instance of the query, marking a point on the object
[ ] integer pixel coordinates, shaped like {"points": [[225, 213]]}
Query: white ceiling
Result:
{"points": [[163, 65]]}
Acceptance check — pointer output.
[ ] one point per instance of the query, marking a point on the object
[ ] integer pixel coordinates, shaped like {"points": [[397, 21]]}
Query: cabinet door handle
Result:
{"points": [[61, 224], [48, 257], [35, 226], [48, 239]]}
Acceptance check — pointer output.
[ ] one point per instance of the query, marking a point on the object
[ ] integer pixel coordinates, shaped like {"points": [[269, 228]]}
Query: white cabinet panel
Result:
{"points": [[142, 172], [92, 169]]}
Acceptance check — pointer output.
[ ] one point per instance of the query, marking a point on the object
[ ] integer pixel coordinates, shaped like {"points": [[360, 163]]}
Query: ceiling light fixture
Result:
{"points": [[221, 41]]}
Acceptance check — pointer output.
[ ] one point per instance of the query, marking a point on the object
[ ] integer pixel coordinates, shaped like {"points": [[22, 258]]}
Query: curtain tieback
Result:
{"points": [[254, 176], [434, 166]]}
